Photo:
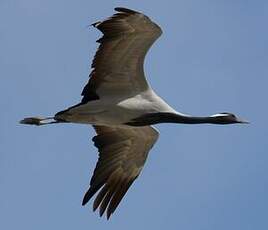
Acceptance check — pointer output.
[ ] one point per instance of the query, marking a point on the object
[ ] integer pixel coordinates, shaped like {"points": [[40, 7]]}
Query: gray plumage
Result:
{"points": [[121, 106]]}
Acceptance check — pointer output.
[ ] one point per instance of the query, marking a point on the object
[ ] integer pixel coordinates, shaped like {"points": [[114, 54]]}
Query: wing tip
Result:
{"points": [[84, 202], [118, 9], [126, 10], [108, 215], [87, 197]]}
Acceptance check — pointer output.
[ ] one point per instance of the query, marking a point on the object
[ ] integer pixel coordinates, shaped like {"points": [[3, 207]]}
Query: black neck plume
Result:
{"points": [[155, 118]]}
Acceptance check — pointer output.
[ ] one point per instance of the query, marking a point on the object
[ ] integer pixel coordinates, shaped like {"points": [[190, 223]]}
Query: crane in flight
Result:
{"points": [[122, 107]]}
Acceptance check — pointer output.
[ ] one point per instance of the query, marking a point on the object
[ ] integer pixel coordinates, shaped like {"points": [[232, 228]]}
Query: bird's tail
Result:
{"points": [[39, 121]]}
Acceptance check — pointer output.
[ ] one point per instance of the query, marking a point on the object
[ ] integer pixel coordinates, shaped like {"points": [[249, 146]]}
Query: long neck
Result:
{"points": [[186, 119], [155, 118]]}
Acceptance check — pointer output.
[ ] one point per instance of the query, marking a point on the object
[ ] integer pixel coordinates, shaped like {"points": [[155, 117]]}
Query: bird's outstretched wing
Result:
{"points": [[122, 154], [117, 68]]}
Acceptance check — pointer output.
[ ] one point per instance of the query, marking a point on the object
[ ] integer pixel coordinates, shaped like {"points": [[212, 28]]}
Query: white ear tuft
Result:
{"points": [[220, 115]]}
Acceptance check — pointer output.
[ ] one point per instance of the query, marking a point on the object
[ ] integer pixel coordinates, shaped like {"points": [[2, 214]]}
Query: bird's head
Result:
{"points": [[226, 118]]}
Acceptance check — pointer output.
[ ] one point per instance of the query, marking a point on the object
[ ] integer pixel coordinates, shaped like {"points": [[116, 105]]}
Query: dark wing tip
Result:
{"points": [[85, 200], [126, 10], [89, 194], [108, 215], [118, 9]]}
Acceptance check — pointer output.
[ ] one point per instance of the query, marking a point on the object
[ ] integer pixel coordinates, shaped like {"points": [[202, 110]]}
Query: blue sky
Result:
{"points": [[212, 57]]}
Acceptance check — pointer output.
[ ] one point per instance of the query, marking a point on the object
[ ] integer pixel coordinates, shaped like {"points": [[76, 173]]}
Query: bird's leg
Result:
{"points": [[38, 121]]}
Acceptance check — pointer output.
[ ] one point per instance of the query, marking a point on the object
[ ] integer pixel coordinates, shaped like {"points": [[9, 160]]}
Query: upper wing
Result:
{"points": [[117, 68], [122, 154]]}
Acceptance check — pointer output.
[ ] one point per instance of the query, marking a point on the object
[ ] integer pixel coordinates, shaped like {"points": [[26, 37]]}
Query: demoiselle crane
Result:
{"points": [[121, 106]]}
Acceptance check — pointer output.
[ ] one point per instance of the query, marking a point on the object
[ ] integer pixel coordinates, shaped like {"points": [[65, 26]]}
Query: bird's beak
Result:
{"points": [[242, 121]]}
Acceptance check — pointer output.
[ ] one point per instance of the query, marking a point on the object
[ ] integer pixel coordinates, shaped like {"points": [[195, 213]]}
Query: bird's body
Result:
{"points": [[121, 106], [115, 111]]}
